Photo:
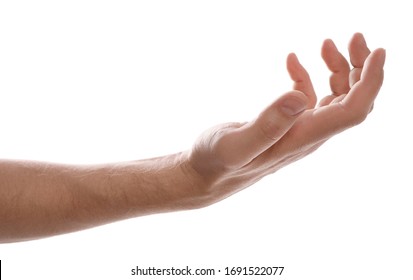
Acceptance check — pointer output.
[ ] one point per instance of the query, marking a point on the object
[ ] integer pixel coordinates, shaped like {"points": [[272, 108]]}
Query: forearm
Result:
{"points": [[40, 199]]}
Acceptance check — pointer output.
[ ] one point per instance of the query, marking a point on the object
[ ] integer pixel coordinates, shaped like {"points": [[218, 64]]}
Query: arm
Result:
{"points": [[40, 199]]}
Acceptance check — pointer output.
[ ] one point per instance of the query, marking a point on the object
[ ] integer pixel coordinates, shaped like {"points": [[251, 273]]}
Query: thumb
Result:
{"points": [[240, 146]]}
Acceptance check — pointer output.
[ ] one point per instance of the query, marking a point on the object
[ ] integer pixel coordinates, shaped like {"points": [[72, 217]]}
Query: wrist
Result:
{"points": [[167, 183], [192, 188]]}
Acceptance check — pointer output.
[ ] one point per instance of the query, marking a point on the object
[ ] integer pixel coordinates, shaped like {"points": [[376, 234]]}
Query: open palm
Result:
{"points": [[232, 156]]}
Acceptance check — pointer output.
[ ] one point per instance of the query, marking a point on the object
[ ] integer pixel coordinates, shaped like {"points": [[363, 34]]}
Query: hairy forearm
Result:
{"points": [[42, 199]]}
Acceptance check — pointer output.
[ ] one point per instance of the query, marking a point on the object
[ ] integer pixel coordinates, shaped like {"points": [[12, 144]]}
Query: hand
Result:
{"points": [[232, 156]]}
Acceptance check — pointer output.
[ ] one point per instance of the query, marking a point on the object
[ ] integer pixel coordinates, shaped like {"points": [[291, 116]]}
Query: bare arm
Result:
{"points": [[40, 199]]}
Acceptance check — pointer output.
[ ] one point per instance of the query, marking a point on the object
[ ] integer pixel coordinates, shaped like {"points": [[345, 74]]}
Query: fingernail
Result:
{"points": [[293, 106]]}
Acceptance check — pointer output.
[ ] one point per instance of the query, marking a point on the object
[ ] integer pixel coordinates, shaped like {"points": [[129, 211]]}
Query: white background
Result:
{"points": [[85, 81]]}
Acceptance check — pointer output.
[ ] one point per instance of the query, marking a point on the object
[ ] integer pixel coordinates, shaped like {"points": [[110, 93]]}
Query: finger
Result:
{"points": [[322, 123], [358, 50], [358, 54], [338, 65], [302, 81], [361, 97], [236, 148], [318, 125]]}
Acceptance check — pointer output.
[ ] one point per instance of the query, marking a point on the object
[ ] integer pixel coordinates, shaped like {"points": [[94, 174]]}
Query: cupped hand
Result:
{"points": [[232, 156]]}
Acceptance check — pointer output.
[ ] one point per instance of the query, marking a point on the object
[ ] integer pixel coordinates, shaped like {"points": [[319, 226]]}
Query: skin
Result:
{"points": [[43, 199]]}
